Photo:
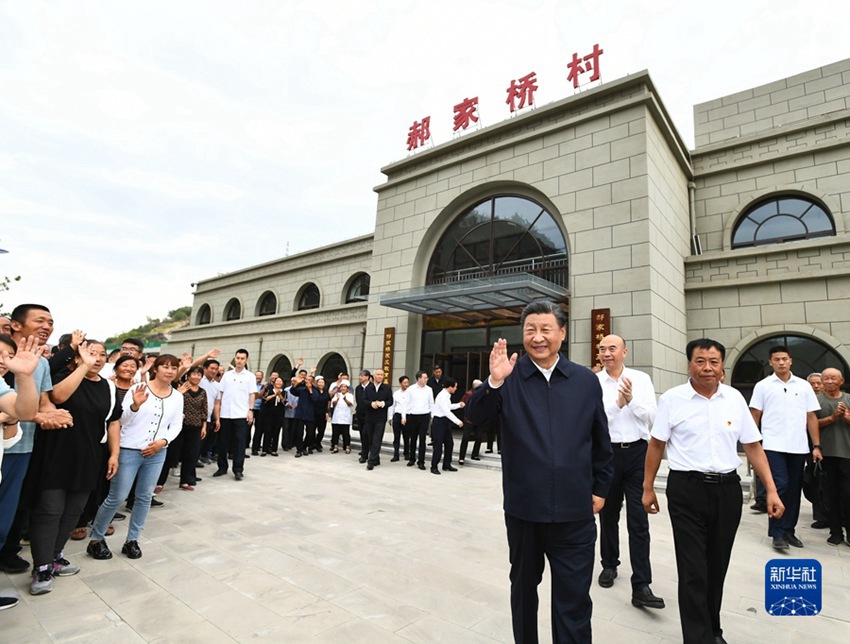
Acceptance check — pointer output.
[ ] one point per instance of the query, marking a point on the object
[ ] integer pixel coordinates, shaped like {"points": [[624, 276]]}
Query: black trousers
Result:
{"points": [[274, 420], [705, 518], [838, 490], [628, 482], [375, 438], [364, 436], [234, 437], [441, 436], [471, 432], [305, 434], [569, 547], [189, 451], [340, 430], [259, 431], [401, 437], [417, 426], [51, 521], [288, 441]]}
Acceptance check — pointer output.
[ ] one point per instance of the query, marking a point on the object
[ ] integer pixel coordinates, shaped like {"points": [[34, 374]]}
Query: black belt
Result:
{"points": [[627, 445], [710, 477]]}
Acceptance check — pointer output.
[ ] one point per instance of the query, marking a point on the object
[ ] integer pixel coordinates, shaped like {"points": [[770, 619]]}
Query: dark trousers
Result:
{"points": [[321, 426], [208, 444], [375, 438], [172, 458], [234, 437], [274, 420], [98, 495], [288, 433], [471, 432], [417, 426], [259, 430], [787, 471], [52, 518], [189, 451], [494, 433], [305, 431], [401, 437], [441, 436], [838, 490], [628, 483], [338, 430], [704, 518], [569, 547], [364, 437]]}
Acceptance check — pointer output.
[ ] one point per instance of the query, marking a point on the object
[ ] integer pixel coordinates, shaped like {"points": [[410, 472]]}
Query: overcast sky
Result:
{"points": [[148, 145]]}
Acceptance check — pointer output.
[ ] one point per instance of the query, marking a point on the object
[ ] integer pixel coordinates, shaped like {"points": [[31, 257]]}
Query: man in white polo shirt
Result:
{"points": [[629, 399], [234, 412], [784, 405]]}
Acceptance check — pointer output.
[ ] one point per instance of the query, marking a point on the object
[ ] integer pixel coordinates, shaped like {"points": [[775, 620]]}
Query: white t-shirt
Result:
{"points": [[783, 407], [235, 391]]}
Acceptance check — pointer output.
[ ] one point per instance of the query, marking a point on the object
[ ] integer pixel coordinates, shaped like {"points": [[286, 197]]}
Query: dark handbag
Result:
{"points": [[815, 485]]}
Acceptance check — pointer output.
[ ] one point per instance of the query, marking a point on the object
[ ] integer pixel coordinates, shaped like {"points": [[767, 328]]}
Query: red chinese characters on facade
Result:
{"points": [[521, 92], [419, 132], [465, 113], [590, 64]]}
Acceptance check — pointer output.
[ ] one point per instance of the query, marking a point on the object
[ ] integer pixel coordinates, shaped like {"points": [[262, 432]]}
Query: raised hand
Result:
{"points": [[186, 360], [86, 356], [183, 387], [24, 362], [501, 366], [77, 337], [140, 395]]}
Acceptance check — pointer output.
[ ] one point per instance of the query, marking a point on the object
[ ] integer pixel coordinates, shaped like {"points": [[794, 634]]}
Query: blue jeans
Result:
{"points": [[130, 464], [14, 470]]}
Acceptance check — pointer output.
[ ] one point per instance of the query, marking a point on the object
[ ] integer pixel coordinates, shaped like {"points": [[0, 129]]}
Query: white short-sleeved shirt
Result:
{"points": [[702, 433], [235, 390], [630, 422], [783, 407], [211, 387]]}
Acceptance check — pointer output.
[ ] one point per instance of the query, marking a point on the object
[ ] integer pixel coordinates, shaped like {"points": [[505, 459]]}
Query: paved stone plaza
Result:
{"points": [[320, 549]]}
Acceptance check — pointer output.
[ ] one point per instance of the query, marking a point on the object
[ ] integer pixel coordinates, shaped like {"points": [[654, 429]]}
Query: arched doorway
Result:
{"points": [[331, 365], [283, 366], [808, 355]]}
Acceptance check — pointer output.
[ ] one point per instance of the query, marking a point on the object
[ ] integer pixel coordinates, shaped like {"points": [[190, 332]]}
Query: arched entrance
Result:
{"points": [[283, 366], [331, 365], [808, 355]]}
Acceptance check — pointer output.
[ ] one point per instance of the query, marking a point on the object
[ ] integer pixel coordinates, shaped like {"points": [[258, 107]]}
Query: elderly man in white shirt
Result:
{"points": [[629, 399], [701, 423]]}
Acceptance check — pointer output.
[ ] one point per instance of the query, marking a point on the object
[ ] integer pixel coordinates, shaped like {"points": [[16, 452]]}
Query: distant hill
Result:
{"points": [[155, 331]]}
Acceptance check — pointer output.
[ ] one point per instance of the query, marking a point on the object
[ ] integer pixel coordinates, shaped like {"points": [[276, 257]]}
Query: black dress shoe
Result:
{"points": [[642, 597], [449, 468], [476, 458], [156, 504], [370, 467], [394, 459], [198, 478], [780, 543], [759, 507], [254, 453], [298, 454], [718, 639], [219, 473], [131, 549], [422, 467], [411, 463], [237, 476], [99, 550], [820, 525], [119, 517], [793, 541], [362, 460], [434, 470], [607, 577]]}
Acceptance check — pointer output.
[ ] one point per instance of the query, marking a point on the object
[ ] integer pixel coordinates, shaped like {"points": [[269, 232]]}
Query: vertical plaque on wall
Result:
{"points": [[387, 358], [600, 326]]}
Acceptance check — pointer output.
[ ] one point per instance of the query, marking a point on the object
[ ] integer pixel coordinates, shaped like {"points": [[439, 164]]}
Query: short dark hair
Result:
{"points": [[366, 373], [544, 307], [421, 373], [402, 379], [436, 366], [210, 362], [135, 342], [124, 359], [20, 312], [5, 339], [64, 339], [195, 369], [448, 381], [704, 343], [245, 351], [302, 371], [779, 348]]}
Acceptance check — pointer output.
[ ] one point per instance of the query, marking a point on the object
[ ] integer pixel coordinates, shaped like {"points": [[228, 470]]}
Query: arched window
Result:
{"points": [[204, 315], [358, 289], [283, 366], [331, 366], [501, 236], [267, 304], [807, 355], [780, 219], [309, 297], [233, 310]]}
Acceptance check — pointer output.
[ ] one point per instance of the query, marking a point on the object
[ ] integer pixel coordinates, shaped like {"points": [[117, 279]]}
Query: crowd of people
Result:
{"points": [[576, 444]]}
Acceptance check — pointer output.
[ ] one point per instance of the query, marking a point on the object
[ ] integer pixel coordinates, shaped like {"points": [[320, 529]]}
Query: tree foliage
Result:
{"points": [[5, 286], [155, 329]]}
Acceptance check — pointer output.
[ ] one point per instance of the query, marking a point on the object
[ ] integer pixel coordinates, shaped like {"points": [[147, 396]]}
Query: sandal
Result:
{"points": [[335, 450], [348, 450], [187, 487], [157, 489], [78, 534], [110, 530]]}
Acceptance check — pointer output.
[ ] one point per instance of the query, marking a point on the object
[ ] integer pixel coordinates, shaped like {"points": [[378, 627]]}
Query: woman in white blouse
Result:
{"points": [[152, 418]]}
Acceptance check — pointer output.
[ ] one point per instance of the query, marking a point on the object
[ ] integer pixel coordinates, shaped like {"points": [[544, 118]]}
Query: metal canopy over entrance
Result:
{"points": [[477, 300]]}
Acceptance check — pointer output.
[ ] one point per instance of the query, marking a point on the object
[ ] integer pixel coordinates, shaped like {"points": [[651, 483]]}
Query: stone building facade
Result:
{"points": [[742, 239]]}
